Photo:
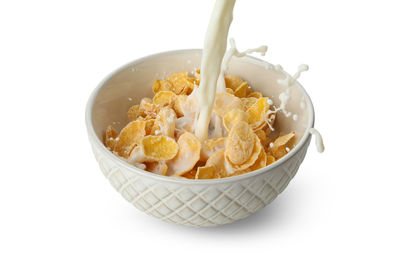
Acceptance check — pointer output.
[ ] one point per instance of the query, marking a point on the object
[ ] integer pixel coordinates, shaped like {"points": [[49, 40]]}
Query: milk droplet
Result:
{"points": [[319, 142]]}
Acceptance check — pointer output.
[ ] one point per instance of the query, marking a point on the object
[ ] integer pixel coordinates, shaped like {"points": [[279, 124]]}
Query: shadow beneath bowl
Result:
{"points": [[273, 215], [281, 212]]}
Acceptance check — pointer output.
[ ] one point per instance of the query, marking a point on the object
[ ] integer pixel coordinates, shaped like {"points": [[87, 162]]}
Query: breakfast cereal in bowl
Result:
{"points": [[160, 136]]}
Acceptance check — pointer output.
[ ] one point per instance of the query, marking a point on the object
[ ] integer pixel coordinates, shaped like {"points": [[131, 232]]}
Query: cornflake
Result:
{"points": [[129, 137], [248, 102], [256, 150], [111, 135], [233, 117], [157, 148], [134, 112], [165, 121], [225, 102], [159, 167], [240, 143], [278, 150], [217, 160], [232, 82], [181, 83], [210, 146], [179, 105], [188, 155], [162, 85], [241, 90], [209, 172], [164, 98]]}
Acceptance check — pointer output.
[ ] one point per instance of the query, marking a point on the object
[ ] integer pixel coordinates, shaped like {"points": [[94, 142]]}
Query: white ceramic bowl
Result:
{"points": [[184, 201]]}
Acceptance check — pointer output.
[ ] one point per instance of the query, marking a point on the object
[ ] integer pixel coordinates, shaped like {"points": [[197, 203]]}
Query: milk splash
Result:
{"points": [[319, 142], [221, 87], [284, 97]]}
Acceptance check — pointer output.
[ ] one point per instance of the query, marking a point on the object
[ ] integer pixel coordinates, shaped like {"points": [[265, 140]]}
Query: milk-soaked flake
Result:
{"points": [[240, 143], [164, 98], [210, 146], [188, 155], [165, 120], [216, 128], [225, 102], [233, 116], [130, 136]]}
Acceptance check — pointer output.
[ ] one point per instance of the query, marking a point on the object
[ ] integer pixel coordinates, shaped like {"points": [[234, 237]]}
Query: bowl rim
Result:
{"points": [[95, 140]]}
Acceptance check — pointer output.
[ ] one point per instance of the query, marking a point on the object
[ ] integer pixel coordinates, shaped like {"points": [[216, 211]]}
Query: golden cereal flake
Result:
{"points": [[147, 107], [233, 116], [248, 91], [232, 168], [179, 105], [180, 82], [233, 82], [261, 161], [157, 167], [149, 126], [191, 84], [164, 98], [130, 136], [134, 112], [248, 102], [240, 143], [190, 174], [225, 102], [165, 120], [241, 91], [156, 148], [255, 95], [188, 155], [111, 135], [209, 172], [162, 85], [136, 156], [217, 159], [257, 111], [156, 86], [270, 159], [262, 136], [281, 144], [210, 146]]}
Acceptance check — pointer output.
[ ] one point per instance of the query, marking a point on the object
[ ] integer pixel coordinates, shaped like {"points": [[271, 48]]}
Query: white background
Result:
{"points": [[56, 208]]}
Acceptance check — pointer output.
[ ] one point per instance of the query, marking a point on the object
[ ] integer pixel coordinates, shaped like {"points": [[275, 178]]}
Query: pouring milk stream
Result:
{"points": [[213, 52]]}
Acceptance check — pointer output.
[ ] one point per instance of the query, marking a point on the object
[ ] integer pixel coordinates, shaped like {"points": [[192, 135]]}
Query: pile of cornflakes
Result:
{"points": [[160, 135]]}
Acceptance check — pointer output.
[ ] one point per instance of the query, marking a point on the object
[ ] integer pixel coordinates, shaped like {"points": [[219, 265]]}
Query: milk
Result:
{"points": [[213, 53]]}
